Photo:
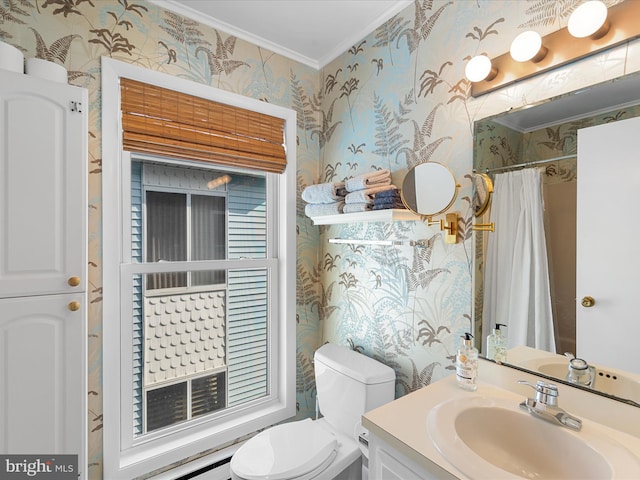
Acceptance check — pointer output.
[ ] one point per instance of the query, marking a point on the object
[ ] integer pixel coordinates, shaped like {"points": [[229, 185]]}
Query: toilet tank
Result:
{"points": [[348, 384]]}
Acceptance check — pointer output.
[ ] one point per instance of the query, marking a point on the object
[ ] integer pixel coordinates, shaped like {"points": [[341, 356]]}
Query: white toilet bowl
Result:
{"points": [[348, 384], [303, 450]]}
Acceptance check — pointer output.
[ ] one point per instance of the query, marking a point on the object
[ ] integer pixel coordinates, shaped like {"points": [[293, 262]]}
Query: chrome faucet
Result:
{"points": [[580, 372], [545, 405]]}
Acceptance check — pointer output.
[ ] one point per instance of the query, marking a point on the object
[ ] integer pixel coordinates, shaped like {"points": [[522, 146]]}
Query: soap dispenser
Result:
{"points": [[467, 364], [497, 345]]}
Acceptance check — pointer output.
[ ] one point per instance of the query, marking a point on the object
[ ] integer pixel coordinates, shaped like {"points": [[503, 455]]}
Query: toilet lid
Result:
{"points": [[284, 451]]}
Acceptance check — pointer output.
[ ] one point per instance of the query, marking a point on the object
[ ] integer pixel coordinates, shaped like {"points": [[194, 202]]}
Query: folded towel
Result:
{"points": [[371, 179], [367, 195], [387, 201], [394, 193], [319, 209], [384, 206], [357, 207], [388, 207], [358, 197], [324, 193]]}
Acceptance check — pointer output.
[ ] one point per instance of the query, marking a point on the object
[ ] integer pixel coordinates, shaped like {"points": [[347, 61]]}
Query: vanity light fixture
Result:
{"points": [[586, 34], [589, 20], [479, 68], [528, 46]]}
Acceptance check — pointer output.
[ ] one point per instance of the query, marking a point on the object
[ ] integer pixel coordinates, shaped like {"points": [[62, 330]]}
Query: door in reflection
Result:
{"points": [[608, 258]]}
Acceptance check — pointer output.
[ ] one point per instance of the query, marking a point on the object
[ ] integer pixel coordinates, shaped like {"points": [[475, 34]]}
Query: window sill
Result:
{"points": [[390, 215]]}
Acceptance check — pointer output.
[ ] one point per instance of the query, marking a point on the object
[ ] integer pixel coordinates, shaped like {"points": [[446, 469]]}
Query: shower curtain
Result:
{"points": [[516, 286]]}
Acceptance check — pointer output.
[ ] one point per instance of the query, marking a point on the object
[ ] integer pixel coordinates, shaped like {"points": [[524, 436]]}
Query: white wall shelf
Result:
{"points": [[389, 215]]}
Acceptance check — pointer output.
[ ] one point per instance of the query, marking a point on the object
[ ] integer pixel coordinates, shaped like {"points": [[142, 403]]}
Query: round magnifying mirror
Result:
{"points": [[482, 189], [429, 189]]}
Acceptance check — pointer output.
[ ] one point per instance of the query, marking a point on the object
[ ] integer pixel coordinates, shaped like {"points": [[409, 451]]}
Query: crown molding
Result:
{"points": [[316, 64]]}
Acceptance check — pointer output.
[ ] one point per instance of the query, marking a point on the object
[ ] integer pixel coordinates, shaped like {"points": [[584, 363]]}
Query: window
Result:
{"points": [[205, 330], [199, 280], [170, 238]]}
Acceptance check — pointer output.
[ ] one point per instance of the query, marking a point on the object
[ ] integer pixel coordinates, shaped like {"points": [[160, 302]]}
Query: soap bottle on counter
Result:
{"points": [[467, 364], [497, 345]]}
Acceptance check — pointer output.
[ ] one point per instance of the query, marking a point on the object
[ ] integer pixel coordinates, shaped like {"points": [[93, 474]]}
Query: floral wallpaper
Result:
{"points": [[396, 98], [399, 98]]}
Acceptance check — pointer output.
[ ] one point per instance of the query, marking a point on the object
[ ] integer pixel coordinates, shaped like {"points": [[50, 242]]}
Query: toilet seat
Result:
{"points": [[285, 451]]}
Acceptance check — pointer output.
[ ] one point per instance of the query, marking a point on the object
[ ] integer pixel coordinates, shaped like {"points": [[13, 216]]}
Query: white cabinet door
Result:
{"points": [[388, 463], [607, 253], [388, 467], [43, 375], [43, 202]]}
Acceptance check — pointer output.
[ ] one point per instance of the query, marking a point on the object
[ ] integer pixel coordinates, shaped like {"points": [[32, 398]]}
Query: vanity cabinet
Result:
{"points": [[441, 432], [43, 264], [388, 463]]}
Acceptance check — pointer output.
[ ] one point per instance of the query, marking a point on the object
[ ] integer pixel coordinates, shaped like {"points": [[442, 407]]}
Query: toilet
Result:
{"points": [[348, 384]]}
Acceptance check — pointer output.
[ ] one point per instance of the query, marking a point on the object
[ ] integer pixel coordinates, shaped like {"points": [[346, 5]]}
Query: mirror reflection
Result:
{"points": [[611, 381], [531, 157], [429, 189], [482, 189]]}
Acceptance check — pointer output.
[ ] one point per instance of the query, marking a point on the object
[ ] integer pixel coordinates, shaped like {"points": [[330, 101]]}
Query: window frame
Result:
{"points": [[124, 456]]}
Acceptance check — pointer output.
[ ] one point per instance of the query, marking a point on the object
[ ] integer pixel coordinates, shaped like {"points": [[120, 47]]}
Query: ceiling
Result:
{"points": [[312, 32]]}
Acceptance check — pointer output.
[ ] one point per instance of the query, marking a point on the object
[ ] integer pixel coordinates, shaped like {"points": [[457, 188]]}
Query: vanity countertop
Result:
{"points": [[403, 423]]}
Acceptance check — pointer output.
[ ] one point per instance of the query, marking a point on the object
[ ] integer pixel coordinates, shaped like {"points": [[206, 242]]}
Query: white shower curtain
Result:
{"points": [[516, 286]]}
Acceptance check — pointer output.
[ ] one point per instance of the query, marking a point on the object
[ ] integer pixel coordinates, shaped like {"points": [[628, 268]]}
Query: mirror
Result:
{"points": [[545, 136], [482, 189], [429, 189]]}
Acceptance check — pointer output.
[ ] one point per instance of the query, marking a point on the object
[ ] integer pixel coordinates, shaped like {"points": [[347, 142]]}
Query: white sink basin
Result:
{"points": [[487, 437], [614, 382]]}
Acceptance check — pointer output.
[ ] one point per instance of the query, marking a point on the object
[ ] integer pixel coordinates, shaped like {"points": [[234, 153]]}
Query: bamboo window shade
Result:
{"points": [[161, 121]]}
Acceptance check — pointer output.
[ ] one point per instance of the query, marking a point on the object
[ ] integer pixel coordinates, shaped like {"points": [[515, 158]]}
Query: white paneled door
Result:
{"points": [[43, 265], [608, 259], [43, 356], [43, 147]]}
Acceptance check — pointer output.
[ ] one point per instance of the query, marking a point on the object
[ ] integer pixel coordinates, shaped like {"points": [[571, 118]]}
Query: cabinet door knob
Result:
{"points": [[588, 302], [74, 306], [74, 281]]}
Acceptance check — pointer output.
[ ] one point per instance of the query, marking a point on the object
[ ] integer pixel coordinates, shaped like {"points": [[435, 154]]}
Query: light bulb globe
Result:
{"points": [[526, 46], [587, 19], [478, 68]]}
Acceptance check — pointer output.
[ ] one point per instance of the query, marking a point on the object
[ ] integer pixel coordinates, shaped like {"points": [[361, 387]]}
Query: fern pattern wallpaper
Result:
{"points": [[395, 99]]}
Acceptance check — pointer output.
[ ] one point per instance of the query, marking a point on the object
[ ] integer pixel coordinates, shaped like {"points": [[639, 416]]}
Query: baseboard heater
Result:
{"points": [[216, 471]]}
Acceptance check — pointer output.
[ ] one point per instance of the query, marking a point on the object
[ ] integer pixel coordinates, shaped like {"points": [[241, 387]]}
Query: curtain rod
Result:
{"points": [[526, 165]]}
